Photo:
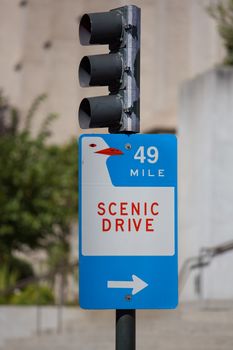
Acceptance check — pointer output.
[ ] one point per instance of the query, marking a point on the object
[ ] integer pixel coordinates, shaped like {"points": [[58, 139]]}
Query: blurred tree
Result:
{"points": [[58, 254], [38, 183], [9, 117], [7, 278], [33, 294], [222, 11]]}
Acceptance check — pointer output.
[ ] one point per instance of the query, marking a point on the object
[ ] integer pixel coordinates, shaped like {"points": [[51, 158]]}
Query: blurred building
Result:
{"points": [[205, 188], [40, 53]]}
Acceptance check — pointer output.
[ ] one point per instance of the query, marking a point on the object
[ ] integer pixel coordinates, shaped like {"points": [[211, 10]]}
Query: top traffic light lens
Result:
{"points": [[100, 28], [85, 30]]}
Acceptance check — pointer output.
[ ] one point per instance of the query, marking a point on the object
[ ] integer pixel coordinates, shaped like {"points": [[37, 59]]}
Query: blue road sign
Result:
{"points": [[128, 221]]}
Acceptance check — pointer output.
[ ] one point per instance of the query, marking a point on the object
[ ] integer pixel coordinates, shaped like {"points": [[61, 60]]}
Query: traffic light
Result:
{"points": [[119, 70]]}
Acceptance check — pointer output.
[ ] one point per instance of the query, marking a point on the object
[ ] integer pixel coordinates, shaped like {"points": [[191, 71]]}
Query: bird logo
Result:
{"points": [[95, 155], [107, 151]]}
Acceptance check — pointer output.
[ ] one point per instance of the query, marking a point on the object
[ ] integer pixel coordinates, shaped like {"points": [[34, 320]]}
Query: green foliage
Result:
{"points": [[32, 110], [9, 117], [222, 11], [33, 294], [7, 277], [21, 268], [38, 191], [12, 270], [58, 254]]}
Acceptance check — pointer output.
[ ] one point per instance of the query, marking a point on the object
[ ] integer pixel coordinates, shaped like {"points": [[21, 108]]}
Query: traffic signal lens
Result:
{"points": [[84, 114], [85, 30], [100, 28], [85, 72], [101, 70], [94, 112]]}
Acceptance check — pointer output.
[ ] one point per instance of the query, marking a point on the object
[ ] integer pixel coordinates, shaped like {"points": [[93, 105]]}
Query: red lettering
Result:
{"points": [[101, 207], [145, 208], [152, 208], [129, 225], [149, 227], [110, 208], [106, 225], [119, 224], [137, 224], [123, 208], [136, 209]]}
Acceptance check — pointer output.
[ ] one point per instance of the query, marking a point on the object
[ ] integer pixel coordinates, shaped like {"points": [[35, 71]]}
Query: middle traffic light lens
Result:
{"points": [[101, 70], [85, 72]]}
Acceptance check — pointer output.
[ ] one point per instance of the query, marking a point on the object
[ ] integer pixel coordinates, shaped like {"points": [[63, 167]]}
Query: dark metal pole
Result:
{"points": [[125, 329]]}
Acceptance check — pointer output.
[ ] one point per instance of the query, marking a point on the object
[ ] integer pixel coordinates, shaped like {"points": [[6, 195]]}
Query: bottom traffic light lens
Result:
{"points": [[100, 112], [84, 114]]}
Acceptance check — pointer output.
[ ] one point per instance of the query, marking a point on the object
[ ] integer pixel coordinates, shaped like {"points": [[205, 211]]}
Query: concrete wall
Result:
{"points": [[179, 40], [206, 176], [20, 322]]}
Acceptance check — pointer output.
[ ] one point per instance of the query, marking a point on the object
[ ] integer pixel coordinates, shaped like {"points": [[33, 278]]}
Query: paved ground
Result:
{"points": [[191, 327], [21, 322]]}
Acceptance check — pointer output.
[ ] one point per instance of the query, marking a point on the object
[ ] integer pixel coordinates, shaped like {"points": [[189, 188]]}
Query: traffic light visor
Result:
{"points": [[100, 28], [100, 70], [100, 112]]}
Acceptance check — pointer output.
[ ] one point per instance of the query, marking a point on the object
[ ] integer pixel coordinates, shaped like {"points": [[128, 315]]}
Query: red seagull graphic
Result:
{"points": [[110, 152]]}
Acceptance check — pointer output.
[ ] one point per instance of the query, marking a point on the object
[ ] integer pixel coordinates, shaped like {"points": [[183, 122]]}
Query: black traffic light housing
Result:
{"points": [[119, 70]]}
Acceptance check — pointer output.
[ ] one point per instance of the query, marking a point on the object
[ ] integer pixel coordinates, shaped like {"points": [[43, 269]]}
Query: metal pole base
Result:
{"points": [[125, 329]]}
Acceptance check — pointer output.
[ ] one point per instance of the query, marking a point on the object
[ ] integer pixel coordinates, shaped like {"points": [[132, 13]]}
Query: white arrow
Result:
{"points": [[137, 284]]}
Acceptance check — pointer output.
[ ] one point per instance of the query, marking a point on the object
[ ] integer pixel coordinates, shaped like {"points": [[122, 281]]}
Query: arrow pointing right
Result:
{"points": [[137, 284]]}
